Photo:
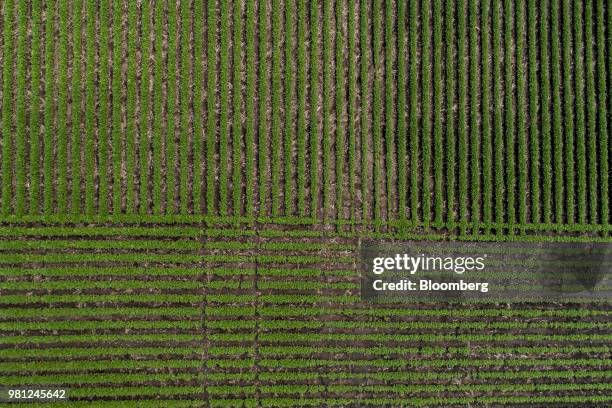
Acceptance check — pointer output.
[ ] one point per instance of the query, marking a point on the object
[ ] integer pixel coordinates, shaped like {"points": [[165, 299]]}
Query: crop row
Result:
{"points": [[166, 315], [276, 128]]}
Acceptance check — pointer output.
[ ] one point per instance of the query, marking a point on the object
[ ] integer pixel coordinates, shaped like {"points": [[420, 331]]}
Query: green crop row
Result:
{"points": [[128, 257], [7, 91], [418, 325], [132, 134], [116, 127], [158, 312], [462, 125], [394, 337], [237, 108], [475, 139], [414, 401], [178, 403], [289, 97], [145, 106], [413, 94], [463, 356], [276, 108], [110, 285], [494, 123], [491, 312], [250, 108], [106, 352], [79, 272], [218, 222], [94, 339], [105, 380], [178, 244], [35, 134], [20, 106], [377, 107], [142, 298], [170, 109], [389, 130], [93, 325], [89, 365], [387, 376]]}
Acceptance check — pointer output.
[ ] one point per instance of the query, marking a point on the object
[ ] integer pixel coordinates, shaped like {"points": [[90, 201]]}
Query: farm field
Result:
{"points": [[185, 188]]}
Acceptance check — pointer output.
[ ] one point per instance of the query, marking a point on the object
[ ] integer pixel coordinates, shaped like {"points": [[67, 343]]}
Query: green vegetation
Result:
{"points": [[158, 322], [20, 133], [211, 114], [237, 108], [250, 109], [450, 137], [103, 136], [170, 110], [48, 169], [7, 89], [276, 109], [117, 130], [145, 101], [289, 93], [413, 115], [34, 137], [185, 186], [131, 93]]}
